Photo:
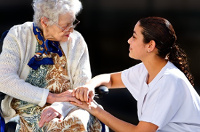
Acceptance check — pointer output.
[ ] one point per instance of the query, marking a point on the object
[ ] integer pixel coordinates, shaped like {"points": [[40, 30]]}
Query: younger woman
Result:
{"points": [[161, 83]]}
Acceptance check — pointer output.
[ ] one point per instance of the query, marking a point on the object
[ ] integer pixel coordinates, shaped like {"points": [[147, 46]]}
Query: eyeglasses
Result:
{"points": [[71, 25]]}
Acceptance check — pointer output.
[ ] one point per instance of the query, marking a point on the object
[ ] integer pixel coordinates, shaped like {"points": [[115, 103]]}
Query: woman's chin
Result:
{"points": [[64, 39], [131, 56]]}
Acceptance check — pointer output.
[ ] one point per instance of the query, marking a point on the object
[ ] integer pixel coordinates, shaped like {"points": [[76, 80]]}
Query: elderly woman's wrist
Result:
{"points": [[50, 98]]}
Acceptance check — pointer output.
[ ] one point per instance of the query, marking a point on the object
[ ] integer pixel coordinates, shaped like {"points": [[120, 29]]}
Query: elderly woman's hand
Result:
{"points": [[62, 97], [48, 114]]}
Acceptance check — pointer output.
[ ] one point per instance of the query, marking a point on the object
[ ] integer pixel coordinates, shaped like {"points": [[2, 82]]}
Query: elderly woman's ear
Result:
{"points": [[44, 21]]}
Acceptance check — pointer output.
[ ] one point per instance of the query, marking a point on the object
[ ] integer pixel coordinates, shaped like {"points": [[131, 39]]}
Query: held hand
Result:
{"points": [[62, 97], [47, 115], [84, 93], [91, 107]]}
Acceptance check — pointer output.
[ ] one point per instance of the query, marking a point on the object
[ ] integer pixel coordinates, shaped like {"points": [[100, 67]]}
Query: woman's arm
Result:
{"points": [[61, 97], [115, 123], [86, 92], [112, 80], [12, 60]]}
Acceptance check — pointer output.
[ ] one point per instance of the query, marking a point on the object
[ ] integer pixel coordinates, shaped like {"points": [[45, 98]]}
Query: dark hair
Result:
{"points": [[162, 32]]}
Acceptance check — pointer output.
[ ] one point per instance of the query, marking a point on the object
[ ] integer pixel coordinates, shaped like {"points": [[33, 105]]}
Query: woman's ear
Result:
{"points": [[151, 46], [44, 21]]}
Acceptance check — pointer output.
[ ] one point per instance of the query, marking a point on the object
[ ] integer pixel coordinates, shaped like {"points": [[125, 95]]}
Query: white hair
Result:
{"points": [[51, 9]]}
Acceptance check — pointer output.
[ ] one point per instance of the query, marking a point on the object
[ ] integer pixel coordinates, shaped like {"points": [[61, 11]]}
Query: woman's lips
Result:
{"points": [[67, 35]]}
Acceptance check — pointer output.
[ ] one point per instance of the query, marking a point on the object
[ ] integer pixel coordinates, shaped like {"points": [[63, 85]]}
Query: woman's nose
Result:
{"points": [[129, 40]]}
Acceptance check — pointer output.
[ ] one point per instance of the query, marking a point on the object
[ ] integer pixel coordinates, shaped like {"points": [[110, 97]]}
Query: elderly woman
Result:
{"points": [[41, 62]]}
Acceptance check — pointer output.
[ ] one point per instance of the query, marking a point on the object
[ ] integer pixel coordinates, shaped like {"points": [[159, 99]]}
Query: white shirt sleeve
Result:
{"points": [[133, 78]]}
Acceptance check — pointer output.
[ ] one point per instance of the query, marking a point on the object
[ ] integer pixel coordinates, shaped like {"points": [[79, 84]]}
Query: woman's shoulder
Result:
{"points": [[138, 70], [76, 35], [138, 67], [26, 25], [175, 76], [171, 71], [21, 35], [77, 39], [21, 29]]}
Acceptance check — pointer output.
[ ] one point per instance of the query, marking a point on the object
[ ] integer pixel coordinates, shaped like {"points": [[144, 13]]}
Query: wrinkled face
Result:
{"points": [[61, 31], [137, 48]]}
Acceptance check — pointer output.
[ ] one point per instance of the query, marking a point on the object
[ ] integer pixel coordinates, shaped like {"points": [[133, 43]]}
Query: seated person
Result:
{"points": [[161, 83], [40, 64]]}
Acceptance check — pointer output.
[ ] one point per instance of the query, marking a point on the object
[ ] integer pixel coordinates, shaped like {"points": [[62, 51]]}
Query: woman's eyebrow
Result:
{"points": [[134, 32]]}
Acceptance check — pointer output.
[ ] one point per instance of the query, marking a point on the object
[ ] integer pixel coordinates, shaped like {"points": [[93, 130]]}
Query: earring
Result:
{"points": [[149, 50]]}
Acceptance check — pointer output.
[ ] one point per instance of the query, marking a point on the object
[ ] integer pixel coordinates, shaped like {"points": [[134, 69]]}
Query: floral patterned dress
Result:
{"points": [[55, 78]]}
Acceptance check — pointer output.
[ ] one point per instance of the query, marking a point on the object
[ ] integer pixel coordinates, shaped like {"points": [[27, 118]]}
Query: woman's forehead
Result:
{"points": [[67, 17], [137, 29]]}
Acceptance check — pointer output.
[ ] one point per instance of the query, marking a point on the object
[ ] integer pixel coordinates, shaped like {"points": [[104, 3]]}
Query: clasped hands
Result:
{"points": [[81, 96]]}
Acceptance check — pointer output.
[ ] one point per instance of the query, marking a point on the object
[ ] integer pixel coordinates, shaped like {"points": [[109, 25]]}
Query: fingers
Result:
{"points": [[47, 118], [42, 118], [85, 95], [81, 93], [83, 106], [91, 96], [74, 103], [74, 92], [90, 107], [77, 94], [51, 116], [73, 99], [47, 115]]}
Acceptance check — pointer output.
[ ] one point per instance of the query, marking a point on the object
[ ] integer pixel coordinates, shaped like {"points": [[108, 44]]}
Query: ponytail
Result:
{"points": [[179, 58], [162, 32]]}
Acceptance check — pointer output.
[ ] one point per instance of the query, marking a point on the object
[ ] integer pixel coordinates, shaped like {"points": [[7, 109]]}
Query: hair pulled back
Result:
{"points": [[162, 32]]}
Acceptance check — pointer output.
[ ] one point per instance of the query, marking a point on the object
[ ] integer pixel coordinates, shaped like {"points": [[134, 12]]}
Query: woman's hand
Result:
{"points": [[62, 97], [47, 115], [84, 93], [91, 107]]}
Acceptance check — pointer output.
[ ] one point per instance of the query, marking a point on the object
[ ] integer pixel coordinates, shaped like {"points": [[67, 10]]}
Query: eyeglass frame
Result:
{"points": [[68, 27]]}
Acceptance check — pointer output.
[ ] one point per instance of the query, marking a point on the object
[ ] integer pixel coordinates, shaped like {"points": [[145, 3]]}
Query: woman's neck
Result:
{"points": [[46, 34], [154, 66]]}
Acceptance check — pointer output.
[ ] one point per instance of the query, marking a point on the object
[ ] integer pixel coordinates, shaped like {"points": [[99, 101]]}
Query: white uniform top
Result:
{"points": [[169, 101]]}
